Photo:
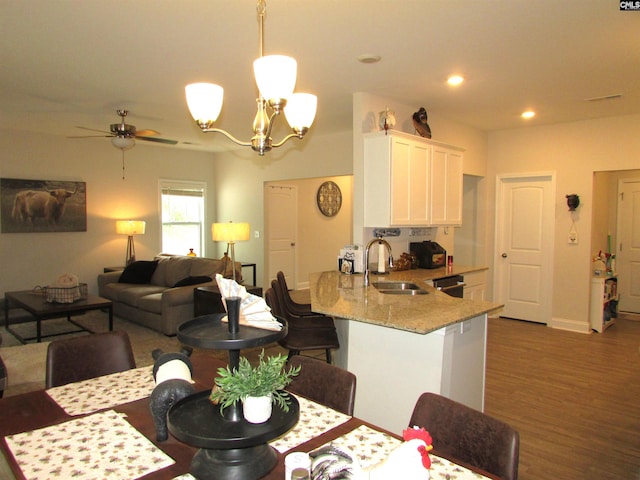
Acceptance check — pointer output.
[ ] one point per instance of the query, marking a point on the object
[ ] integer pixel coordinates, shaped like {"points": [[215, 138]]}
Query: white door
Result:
{"points": [[628, 252], [524, 246], [281, 227]]}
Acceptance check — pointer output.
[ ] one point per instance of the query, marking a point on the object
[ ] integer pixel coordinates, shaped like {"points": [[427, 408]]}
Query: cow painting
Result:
{"points": [[40, 206], [49, 205]]}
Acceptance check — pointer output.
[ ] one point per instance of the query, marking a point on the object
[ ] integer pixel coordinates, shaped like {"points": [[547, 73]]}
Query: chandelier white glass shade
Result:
{"points": [[275, 77]]}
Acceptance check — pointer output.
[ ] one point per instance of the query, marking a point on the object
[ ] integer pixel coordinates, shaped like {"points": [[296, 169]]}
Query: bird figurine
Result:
{"points": [[420, 123]]}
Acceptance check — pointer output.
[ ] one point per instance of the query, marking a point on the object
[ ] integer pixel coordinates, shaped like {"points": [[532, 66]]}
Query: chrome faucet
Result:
{"points": [[380, 241]]}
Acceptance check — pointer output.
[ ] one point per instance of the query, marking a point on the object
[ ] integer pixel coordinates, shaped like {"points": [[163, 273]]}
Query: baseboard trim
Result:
{"points": [[570, 325]]}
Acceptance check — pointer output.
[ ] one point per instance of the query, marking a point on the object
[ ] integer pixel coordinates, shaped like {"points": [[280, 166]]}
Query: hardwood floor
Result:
{"points": [[574, 398]]}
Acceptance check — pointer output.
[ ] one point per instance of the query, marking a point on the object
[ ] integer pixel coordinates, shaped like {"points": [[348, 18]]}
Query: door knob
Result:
{"points": [[504, 255], [293, 244]]}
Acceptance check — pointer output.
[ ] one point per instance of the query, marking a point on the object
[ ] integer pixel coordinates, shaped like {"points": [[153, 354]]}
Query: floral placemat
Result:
{"points": [[88, 396], [371, 447], [315, 419], [100, 446]]}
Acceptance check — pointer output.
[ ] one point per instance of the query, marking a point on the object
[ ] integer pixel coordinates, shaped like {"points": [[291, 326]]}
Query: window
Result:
{"points": [[182, 205]]}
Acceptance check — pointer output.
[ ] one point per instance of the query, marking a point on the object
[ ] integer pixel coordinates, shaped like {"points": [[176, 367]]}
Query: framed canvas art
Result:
{"points": [[37, 206]]}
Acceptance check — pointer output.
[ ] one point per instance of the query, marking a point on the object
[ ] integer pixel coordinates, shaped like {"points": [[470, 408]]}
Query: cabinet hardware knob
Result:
{"points": [[504, 255]]}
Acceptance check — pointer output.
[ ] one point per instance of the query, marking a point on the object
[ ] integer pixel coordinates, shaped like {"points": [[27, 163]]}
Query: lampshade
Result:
{"points": [[301, 110], [230, 232], [204, 101], [275, 76], [130, 227], [123, 143]]}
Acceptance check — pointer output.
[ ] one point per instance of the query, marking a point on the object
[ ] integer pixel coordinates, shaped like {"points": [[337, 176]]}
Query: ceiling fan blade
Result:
{"points": [[158, 140], [92, 129], [92, 136], [147, 133]]}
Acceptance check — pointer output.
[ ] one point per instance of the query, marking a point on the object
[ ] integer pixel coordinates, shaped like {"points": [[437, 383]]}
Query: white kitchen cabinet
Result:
{"points": [[604, 302], [446, 185], [475, 285], [404, 184]]}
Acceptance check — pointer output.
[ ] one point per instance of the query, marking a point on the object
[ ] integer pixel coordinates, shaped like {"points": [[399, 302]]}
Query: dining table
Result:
{"points": [[46, 431]]}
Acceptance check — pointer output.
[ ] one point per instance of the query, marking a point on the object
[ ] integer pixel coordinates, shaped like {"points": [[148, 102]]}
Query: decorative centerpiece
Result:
{"points": [[410, 460], [256, 387]]}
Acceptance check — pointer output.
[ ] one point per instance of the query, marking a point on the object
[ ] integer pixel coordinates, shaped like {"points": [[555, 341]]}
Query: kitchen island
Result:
{"points": [[400, 346]]}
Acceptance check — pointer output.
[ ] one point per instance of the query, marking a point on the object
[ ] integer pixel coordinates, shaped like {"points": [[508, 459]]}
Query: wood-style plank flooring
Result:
{"points": [[574, 398]]}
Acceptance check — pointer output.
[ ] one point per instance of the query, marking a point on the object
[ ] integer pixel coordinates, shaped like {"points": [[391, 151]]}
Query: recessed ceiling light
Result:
{"points": [[455, 80], [528, 114], [369, 58]]}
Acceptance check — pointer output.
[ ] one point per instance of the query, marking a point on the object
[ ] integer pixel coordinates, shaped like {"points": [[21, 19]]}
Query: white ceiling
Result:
{"points": [[68, 63]]}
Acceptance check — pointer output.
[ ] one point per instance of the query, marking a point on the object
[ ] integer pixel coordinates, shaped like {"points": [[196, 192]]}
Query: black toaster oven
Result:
{"points": [[429, 254]]}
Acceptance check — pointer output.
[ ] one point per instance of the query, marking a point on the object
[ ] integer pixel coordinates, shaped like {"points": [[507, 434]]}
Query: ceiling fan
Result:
{"points": [[123, 135]]}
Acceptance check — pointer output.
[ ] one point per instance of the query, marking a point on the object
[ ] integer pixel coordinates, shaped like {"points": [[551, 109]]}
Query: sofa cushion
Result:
{"points": [[159, 276], [132, 295], [151, 303], [205, 266], [178, 267], [192, 281], [138, 272]]}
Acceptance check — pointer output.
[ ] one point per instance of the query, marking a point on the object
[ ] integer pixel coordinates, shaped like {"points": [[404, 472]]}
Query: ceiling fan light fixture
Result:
{"points": [[205, 102], [123, 143]]}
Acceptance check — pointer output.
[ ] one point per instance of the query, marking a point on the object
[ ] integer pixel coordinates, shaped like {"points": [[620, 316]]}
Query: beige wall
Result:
{"points": [[573, 151], [241, 176], [319, 238], [37, 259]]}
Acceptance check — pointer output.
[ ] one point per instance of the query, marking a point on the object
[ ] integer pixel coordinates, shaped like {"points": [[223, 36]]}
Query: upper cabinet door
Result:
{"points": [[446, 186], [401, 187]]}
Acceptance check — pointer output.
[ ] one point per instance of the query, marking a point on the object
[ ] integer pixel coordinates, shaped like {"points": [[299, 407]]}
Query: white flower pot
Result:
{"points": [[257, 409]]}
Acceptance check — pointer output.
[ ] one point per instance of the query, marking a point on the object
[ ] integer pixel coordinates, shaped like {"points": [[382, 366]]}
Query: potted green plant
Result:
{"points": [[264, 382]]}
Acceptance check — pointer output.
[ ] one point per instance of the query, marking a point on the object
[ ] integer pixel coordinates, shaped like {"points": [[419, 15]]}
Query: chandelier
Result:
{"points": [[276, 78]]}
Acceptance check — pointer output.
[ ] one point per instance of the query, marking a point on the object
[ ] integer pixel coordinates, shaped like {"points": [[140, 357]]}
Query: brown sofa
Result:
{"points": [[159, 293]]}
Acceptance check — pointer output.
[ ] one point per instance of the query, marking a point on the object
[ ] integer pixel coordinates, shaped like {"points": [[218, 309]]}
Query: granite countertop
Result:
{"points": [[345, 296]]}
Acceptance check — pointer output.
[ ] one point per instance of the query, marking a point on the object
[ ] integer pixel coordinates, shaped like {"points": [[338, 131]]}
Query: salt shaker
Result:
{"points": [[296, 461], [300, 474]]}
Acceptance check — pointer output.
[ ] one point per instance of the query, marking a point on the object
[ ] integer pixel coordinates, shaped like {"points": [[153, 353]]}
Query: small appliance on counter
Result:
{"points": [[429, 254]]}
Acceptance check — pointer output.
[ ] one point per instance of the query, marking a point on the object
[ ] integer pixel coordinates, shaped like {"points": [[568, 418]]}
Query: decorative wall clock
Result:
{"points": [[329, 199]]}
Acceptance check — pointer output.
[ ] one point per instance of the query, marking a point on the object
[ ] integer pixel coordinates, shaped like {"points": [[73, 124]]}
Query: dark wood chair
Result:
{"points": [[3, 376], [80, 358], [295, 308], [468, 435], [307, 321], [326, 384], [304, 333]]}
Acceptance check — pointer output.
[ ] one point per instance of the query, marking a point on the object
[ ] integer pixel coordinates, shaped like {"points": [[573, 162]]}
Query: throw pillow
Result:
{"points": [[192, 281], [139, 272]]}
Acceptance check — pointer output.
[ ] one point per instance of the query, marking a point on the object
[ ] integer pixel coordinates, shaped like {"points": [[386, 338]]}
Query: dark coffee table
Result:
{"points": [[35, 304]]}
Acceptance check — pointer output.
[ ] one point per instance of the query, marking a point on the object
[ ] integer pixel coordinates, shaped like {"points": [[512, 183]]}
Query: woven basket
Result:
{"points": [[63, 294]]}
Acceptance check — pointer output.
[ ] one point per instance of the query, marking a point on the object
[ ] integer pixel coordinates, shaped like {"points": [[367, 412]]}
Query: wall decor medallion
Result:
{"points": [[329, 199]]}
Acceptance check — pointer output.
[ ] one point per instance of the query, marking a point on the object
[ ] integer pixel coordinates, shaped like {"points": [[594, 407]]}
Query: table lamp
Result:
{"points": [[230, 233], [130, 228]]}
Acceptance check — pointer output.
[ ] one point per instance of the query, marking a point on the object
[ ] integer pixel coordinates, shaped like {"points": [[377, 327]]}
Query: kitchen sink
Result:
{"points": [[399, 288]]}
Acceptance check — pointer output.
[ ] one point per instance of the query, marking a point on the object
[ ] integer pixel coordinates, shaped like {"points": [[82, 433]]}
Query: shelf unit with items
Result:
{"points": [[604, 302]]}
